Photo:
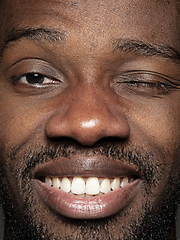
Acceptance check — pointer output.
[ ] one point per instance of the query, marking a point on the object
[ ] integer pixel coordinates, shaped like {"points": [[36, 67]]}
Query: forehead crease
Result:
{"points": [[80, 10], [27, 13]]}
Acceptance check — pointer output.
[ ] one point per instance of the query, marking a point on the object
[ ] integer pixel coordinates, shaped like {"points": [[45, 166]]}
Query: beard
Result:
{"points": [[148, 223]]}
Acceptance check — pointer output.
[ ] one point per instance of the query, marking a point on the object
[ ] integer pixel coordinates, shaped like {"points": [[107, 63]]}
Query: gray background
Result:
{"points": [[1, 225]]}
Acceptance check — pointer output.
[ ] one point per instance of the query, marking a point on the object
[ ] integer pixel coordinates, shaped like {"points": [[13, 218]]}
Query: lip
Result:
{"points": [[73, 206], [78, 207], [86, 167]]}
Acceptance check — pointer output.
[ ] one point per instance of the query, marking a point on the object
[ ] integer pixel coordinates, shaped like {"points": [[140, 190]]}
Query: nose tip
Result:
{"points": [[98, 128], [87, 132], [87, 124]]}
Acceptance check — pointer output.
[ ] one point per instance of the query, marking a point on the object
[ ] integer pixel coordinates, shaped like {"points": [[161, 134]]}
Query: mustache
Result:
{"points": [[149, 166]]}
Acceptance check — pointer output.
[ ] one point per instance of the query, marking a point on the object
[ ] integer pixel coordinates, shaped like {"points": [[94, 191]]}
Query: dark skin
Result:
{"points": [[108, 86]]}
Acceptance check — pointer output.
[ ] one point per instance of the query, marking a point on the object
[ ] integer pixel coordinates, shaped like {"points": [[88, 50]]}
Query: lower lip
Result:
{"points": [[77, 207]]}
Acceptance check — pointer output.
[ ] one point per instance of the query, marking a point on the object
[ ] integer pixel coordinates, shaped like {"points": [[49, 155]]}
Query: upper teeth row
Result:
{"points": [[90, 186]]}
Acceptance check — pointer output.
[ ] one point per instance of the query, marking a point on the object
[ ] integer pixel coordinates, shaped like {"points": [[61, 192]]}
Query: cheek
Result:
{"points": [[19, 123], [156, 126]]}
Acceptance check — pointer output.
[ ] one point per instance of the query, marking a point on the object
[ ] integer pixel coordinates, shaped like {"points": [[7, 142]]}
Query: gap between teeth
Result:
{"points": [[87, 187]]}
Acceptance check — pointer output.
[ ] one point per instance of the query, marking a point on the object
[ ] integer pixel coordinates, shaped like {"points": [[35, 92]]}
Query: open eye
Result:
{"points": [[36, 78]]}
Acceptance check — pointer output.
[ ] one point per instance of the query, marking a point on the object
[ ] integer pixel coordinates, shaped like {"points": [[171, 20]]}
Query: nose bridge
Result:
{"points": [[88, 117], [89, 106]]}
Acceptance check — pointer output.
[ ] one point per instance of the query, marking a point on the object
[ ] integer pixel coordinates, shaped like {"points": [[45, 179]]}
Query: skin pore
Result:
{"points": [[91, 89]]}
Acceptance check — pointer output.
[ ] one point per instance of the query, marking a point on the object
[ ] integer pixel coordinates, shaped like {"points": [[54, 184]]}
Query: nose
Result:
{"points": [[88, 116]]}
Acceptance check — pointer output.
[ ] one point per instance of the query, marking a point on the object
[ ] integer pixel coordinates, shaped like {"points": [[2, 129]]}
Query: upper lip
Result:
{"points": [[96, 166]]}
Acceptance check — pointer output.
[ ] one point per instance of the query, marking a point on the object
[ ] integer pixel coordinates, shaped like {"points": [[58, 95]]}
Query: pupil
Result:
{"points": [[34, 78]]}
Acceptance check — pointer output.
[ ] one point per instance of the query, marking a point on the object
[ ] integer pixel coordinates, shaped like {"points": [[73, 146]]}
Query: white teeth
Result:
{"points": [[124, 182], [48, 181], [89, 187], [105, 186], [66, 185], [131, 180], [56, 182], [92, 186], [115, 184], [78, 185]]}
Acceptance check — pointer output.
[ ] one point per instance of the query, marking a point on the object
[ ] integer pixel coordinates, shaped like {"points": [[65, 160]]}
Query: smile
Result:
{"points": [[87, 187]]}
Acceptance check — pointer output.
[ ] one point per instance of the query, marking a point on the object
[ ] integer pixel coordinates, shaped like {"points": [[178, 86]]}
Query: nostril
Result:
{"points": [[88, 121], [87, 131]]}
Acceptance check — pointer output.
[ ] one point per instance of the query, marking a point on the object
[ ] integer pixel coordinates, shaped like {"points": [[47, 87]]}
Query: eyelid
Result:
{"points": [[19, 78], [173, 82], [31, 65], [47, 80]]}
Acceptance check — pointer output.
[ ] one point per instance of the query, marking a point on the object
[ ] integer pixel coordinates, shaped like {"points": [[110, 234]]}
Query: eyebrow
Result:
{"points": [[40, 34], [137, 47]]}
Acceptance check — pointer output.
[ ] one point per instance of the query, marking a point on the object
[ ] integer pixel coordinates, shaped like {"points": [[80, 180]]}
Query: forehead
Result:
{"points": [[97, 22]]}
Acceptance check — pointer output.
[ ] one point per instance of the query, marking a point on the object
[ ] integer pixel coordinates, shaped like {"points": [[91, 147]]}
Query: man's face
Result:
{"points": [[90, 91]]}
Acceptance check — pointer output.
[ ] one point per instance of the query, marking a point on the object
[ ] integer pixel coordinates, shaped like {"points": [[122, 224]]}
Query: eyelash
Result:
{"points": [[34, 78], [156, 85], [137, 81], [147, 80]]}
